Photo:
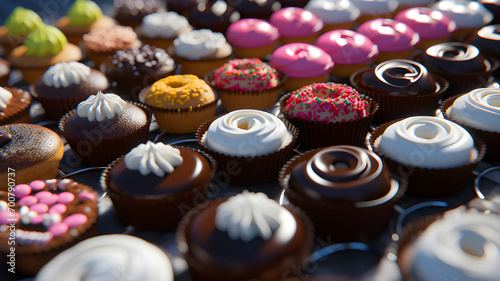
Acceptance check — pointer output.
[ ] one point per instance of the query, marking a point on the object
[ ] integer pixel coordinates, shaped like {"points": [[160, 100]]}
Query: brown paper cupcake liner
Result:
{"points": [[340, 220], [321, 134], [428, 182], [22, 114], [256, 170], [106, 150], [234, 100], [400, 106], [156, 212], [492, 139], [56, 108]]}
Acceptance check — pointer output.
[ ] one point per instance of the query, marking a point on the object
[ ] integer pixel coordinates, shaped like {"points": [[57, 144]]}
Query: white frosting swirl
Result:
{"points": [[156, 158], [198, 44], [334, 11], [249, 215], [64, 74], [427, 142], [5, 97], [247, 133], [101, 106], [478, 109], [109, 257], [465, 13], [163, 25], [376, 7]]}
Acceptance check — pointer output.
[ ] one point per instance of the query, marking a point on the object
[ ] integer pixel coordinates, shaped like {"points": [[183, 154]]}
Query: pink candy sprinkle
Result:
{"points": [[37, 220], [58, 208], [40, 208], [49, 200], [66, 197], [22, 190], [75, 220], [86, 195], [7, 217], [43, 194], [58, 229], [28, 200], [37, 185]]}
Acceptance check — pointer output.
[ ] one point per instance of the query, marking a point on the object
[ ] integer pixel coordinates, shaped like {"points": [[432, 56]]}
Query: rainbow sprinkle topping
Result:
{"points": [[249, 74]]}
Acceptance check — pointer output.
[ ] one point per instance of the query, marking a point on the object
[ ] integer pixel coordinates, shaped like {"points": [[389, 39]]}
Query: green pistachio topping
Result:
{"points": [[83, 12], [45, 40], [22, 21]]}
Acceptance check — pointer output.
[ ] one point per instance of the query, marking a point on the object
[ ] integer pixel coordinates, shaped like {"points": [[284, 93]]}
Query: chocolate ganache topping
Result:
{"points": [[147, 59], [487, 40], [455, 57], [400, 77]]}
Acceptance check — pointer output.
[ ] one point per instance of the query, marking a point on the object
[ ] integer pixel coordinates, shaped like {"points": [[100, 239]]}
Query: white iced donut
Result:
{"points": [[465, 13], [198, 44], [334, 11], [376, 7]]}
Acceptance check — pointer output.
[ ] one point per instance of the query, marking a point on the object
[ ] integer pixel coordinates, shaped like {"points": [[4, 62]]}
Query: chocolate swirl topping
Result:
{"points": [[455, 57]]}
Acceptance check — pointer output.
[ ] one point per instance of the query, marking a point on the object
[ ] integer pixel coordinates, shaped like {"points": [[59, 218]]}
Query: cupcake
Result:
{"points": [[244, 237], [133, 69], [304, 64], [131, 12], [252, 38], [335, 14], [293, 3], [494, 7], [104, 127], [4, 72], [296, 25], [254, 9], [44, 46], [487, 40], [160, 29], [402, 88], [15, 105], [180, 103], [45, 218], [108, 256], [246, 83], [215, 15], [329, 114], [372, 9], [478, 111], [182, 7], [64, 85], [200, 51], [16, 27], [82, 17], [347, 191], [349, 50], [246, 143], [395, 40], [436, 155], [432, 26]]}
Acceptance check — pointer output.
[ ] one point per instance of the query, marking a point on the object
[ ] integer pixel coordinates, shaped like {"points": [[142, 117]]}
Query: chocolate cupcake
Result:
{"points": [[182, 7], [487, 40], [15, 105], [131, 12], [347, 191], [47, 218], [254, 9], [402, 88], [160, 180], [215, 15]]}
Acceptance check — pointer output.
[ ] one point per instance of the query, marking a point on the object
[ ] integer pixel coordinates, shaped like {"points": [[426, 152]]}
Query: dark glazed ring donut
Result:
{"points": [[455, 57]]}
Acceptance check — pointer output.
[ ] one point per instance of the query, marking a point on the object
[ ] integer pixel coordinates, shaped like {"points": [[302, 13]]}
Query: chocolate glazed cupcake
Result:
{"points": [[402, 88], [214, 15], [14, 106]]}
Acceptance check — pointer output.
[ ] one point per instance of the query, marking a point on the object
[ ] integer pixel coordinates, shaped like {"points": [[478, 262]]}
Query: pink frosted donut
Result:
{"points": [[347, 47], [301, 60], [295, 22], [390, 35], [428, 23], [251, 33]]}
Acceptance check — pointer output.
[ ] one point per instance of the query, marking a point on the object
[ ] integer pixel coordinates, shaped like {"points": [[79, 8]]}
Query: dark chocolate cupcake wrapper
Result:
{"points": [[20, 116], [322, 134], [428, 182], [394, 107], [256, 170], [57, 108], [340, 220]]}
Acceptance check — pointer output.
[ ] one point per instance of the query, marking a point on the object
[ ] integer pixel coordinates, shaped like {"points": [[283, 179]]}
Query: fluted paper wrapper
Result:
{"points": [[57, 108]]}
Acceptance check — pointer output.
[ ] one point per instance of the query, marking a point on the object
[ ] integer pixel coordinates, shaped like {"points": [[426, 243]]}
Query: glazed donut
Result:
{"points": [[248, 74]]}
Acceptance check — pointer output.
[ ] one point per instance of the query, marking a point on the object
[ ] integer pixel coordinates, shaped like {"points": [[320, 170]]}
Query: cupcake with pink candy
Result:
{"points": [[252, 38], [296, 25], [336, 14]]}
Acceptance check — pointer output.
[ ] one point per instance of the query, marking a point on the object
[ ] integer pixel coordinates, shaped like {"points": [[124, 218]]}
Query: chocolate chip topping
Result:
{"points": [[146, 59]]}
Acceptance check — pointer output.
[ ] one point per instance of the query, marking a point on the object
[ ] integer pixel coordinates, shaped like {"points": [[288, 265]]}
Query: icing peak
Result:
{"points": [[64, 74], [156, 158], [101, 106], [5, 97], [45, 40], [83, 12], [22, 21]]}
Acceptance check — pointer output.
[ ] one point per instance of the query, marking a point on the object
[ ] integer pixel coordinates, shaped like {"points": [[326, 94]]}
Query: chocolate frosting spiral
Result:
{"points": [[455, 57]]}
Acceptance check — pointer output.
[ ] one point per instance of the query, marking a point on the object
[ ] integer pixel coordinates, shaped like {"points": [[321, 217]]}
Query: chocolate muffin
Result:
{"points": [[215, 15], [487, 40], [131, 12], [14, 105], [254, 9]]}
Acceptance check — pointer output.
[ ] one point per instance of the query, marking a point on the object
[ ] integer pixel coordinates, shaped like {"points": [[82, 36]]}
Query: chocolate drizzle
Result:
{"points": [[5, 137], [455, 57]]}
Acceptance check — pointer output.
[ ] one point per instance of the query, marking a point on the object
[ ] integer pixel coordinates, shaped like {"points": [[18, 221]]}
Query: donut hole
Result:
{"points": [[494, 100], [426, 132], [340, 165], [472, 243], [177, 84], [245, 66], [244, 124]]}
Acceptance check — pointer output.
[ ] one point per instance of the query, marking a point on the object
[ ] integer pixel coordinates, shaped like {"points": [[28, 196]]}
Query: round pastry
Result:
{"points": [[372, 9], [160, 180], [105, 127], [182, 7], [44, 46], [108, 257], [200, 51], [30, 151], [432, 26], [328, 114], [45, 218], [246, 83], [347, 191], [131, 12], [254, 9], [395, 40], [4, 72], [296, 25], [244, 237], [349, 50], [160, 29], [82, 17], [335, 14], [304, 64], [402, 88], [64, 85], [252, 38], [404, 4], [215, 15], [487, 40], [15, 106], [246, 143], [136, 68], [180, 103], [436, 155], [17, 26], [494, 7]]}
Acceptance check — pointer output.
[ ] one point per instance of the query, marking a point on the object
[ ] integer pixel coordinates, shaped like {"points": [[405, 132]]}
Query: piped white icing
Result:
{"points": [[64, 74], [427, 142], [465, 13], [109, 257], [478, 109], [163, 25], [101, 106], [247, 133], [249, 215], [198, 44], [156, 158], [334, 11], [5, 97]]}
